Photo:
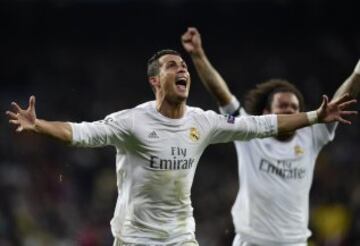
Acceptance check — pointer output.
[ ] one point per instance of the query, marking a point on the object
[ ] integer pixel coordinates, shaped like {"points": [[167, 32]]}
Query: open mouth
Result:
{"points": [[181, 83]]}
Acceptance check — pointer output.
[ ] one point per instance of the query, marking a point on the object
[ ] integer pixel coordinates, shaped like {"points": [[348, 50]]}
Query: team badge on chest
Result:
{"points": [[194, 134], [298, 150]]}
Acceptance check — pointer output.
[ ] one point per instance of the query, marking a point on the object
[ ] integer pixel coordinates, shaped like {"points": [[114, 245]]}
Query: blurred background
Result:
{"points": [[84, 59]]}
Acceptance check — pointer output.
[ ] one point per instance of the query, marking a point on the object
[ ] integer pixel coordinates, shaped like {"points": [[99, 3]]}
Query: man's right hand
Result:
{"points": [[23, 119], [191, 41]]}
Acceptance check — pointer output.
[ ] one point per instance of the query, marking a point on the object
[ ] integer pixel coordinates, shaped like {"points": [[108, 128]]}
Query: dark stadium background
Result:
{"points": [[84, 59]]}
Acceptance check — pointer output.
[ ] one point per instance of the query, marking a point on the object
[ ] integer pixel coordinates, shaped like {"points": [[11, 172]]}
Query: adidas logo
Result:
{"points": [[153, 134]]}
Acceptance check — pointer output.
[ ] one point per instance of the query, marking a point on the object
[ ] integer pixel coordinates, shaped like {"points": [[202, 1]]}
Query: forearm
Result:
{"points": [[58, 130], [291, 122], [351, 84], [211, 79]]}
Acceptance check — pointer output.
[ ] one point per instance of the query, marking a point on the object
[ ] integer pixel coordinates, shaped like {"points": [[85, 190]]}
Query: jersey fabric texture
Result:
{"points": [[272, 205], [239, 242], [156, 158]]}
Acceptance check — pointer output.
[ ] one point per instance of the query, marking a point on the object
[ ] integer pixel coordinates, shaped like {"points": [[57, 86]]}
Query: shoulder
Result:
{"points": [[208, 116], [194, 110], [199, 112], [119, 114], [127, 113]]}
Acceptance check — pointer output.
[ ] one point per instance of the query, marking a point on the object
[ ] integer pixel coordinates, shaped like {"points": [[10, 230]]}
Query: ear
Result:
{"points": [[154, 81]]}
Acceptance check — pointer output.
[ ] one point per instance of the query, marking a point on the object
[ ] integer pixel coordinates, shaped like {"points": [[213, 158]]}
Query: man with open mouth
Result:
{"points": [[158, 146]]}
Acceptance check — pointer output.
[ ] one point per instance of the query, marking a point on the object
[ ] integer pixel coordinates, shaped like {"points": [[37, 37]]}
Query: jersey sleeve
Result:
{"points": [[323, 134], [112, 130], [229, 128]]}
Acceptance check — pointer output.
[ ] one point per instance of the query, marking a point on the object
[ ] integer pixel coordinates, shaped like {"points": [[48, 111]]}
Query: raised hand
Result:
{"points": [[23, 119], [191, 41], [336, 109]]}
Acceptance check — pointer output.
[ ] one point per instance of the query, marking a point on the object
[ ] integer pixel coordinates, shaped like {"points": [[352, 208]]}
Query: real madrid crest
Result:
{"points": [[298, 150], [194, 134]]}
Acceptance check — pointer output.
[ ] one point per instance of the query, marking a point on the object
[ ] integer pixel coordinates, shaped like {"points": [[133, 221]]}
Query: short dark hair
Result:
{"points": [[261, 97], [153, 65]]}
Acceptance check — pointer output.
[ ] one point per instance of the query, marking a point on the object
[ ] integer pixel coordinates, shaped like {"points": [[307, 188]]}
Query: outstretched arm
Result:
{"points": [[26, 120], [212, 80], [230, 128], [326, 113], [351, 85]]}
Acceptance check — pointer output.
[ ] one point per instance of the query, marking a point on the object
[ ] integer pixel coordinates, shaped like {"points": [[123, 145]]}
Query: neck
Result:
{"points": [[172, 110]]}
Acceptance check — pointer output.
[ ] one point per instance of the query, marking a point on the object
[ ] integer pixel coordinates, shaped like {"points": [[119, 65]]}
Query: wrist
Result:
{"points": [[37, 126], [312, 117], [199, 54]]}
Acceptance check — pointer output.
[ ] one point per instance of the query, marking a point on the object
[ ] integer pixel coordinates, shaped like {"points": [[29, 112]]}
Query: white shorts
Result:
{"points": [[239, 242], [118, 242]]}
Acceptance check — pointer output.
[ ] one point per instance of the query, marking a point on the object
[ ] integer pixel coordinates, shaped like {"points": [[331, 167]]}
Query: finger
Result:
{"points": [[186, 37], [349, 112], [16, 106], [193, 30], [325, 101], [14, 122], [347, 103], [11, 114], [32, 103], [342, 99], [189, 32], [19, 129], [342, 120]]}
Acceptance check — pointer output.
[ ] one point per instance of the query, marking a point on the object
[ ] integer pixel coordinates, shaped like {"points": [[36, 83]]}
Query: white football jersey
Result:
{"points": [[155, 165], [272, 205]]}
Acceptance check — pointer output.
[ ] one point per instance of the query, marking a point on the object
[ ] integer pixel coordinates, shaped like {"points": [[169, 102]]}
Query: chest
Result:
{"points": [[169, 146], [299, 148]]}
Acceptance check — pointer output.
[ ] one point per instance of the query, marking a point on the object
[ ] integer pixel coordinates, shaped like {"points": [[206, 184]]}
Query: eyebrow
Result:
{"points": [[174, 61], [170, 61]]}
